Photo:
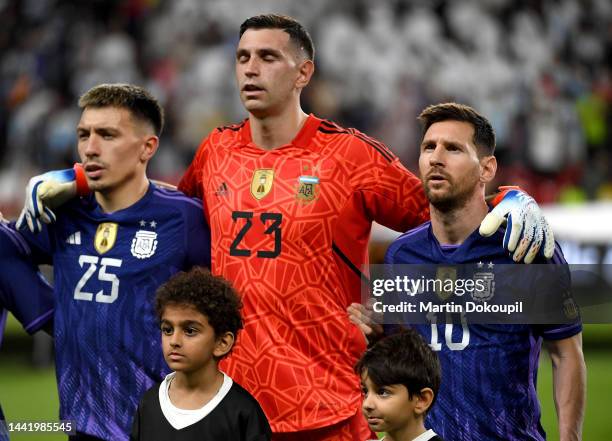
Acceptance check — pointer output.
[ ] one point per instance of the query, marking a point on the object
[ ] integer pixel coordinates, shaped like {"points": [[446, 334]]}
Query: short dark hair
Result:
{"points": [[298, 35], [484, 135], [213, 296], [136, 99], [402, 358]]}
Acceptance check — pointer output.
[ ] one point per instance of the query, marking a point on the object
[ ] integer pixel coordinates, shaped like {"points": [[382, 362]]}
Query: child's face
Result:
{"points": [[188, 341], [387, 408]]}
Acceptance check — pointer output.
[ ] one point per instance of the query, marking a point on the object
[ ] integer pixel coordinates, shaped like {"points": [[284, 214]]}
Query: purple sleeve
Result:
{"points": [[559, 332], [37, 247], [563, 288], [197, 236], [23, 289]]}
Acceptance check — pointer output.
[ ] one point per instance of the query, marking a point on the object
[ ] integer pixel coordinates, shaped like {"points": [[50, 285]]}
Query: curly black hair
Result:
{"points": [[402, 358], [212, 296]]}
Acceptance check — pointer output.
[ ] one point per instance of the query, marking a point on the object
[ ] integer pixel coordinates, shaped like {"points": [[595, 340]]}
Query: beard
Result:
{"points": [[96, 185], [455, 196]]}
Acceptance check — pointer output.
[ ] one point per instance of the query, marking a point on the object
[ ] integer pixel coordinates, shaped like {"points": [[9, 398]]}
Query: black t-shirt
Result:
{"points": [[238, 417]]}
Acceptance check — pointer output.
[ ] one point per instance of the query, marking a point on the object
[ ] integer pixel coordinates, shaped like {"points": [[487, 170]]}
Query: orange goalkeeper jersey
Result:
{"points": [[290, 228]]}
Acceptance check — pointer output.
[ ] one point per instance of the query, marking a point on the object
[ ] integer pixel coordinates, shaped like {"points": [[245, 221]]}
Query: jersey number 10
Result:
{"points": [[448, 334]]}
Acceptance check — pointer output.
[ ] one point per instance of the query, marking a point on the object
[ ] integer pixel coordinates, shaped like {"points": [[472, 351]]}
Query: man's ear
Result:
{"points": [[306, 70], [149, 148], [223, 344], [488, 168]]}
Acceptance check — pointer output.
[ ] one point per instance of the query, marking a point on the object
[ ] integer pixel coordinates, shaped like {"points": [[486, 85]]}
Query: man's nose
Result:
{"points": [[437, 156], [252, 67], [92, 146]]}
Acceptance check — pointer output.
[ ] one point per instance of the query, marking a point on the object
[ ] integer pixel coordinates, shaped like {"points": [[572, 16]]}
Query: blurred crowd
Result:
{"points": [[541, 71]]}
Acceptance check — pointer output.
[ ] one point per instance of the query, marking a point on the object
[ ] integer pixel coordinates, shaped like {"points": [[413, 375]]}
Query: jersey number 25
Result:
{"points": [[103, 276]]}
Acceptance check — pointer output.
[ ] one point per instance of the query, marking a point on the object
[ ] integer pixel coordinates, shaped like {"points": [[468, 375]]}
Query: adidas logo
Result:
{"points": [[222, 190], [74, 238]]}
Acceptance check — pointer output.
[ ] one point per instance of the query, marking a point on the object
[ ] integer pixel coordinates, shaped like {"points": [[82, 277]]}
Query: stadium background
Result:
{"points": [[540, 70]]}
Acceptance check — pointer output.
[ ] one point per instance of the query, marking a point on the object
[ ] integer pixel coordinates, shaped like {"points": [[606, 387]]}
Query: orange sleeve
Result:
{"points": [[397, 199], [386, 191], [383, 191]]}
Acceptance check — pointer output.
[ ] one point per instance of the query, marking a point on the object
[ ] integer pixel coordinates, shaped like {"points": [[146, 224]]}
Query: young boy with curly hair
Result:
{"points": [[200, 318], [400, 377]]}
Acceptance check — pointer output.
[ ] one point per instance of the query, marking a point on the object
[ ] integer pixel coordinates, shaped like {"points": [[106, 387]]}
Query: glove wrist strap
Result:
{"points": [[81, 180], [503, 189]]}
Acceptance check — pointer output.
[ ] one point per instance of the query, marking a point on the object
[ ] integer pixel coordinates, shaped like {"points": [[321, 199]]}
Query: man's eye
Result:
{"points": [[191, 331]]}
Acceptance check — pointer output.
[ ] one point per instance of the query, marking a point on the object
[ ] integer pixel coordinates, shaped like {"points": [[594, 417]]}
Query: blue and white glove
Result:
{"points": [[526, 227], [46, 191]]}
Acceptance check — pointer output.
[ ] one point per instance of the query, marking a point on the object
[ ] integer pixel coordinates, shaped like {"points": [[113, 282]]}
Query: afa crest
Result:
{"points": [[484, 290], [262, 182], [308, 188], [105, 237], [144, 244]]}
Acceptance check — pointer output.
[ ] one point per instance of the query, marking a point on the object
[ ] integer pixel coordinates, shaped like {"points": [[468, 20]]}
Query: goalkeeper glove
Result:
{"points": [[50, 190], [526, 228]]}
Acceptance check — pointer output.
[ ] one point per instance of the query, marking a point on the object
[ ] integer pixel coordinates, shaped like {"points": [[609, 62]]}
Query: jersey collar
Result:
{"points": [[474, 248], [445, 253], [124, 213], [302, 139]]}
